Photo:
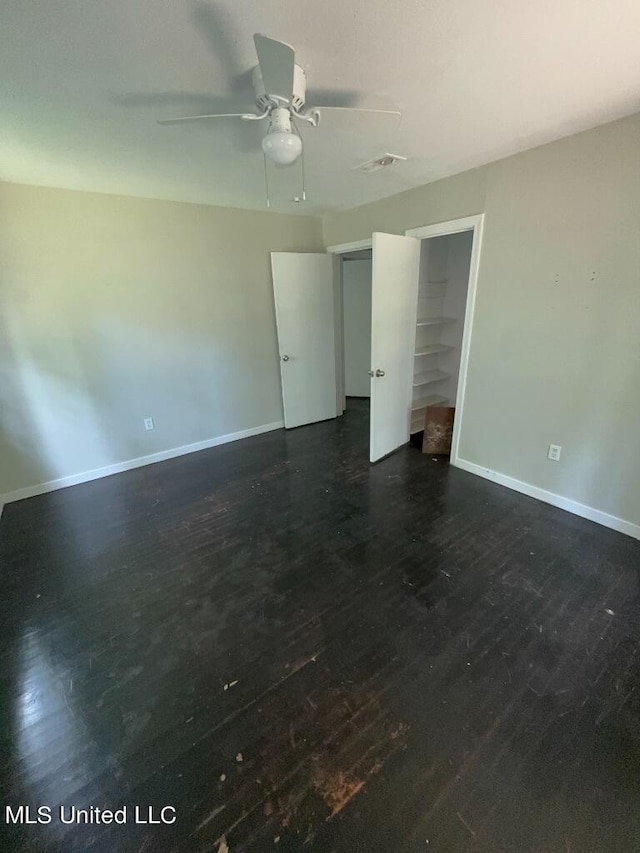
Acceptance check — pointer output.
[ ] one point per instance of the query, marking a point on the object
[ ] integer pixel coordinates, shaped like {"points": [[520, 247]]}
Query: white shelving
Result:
{"points": [[434, 321], [431, 349], [429, 376], [419, 407], [430, 322], [440, 312], [432, 400], [433, 289]]}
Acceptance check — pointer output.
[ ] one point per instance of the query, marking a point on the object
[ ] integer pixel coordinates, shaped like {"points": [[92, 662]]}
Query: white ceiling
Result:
{"points": [[82, 83]]}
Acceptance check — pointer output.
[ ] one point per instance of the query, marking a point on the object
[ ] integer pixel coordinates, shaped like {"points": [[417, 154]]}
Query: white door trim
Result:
{"points": [[441, 229], [343, 248]]}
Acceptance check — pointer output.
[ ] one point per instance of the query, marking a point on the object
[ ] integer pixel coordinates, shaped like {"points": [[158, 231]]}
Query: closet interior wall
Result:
{"points": [[442, 293]]}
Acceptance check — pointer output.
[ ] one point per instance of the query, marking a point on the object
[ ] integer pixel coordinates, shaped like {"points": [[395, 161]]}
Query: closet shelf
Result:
{"points": [[432, 349], [429, 376], [433, 400], [432, 290], [418, 411], [434, 321]]}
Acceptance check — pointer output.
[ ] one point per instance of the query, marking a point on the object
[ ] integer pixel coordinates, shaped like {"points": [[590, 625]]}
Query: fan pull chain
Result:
{"points": [[304, 193], [303, 197], [266, 179]]}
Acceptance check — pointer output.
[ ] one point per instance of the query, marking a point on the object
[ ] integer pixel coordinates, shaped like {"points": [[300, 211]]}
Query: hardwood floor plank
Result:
{"points": [[300, 651]]}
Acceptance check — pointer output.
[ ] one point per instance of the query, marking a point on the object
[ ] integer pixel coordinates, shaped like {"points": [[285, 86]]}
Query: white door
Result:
{"points": [[394, 301], [304, 289]]}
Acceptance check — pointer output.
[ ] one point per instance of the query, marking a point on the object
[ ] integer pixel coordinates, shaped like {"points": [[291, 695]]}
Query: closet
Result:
{"points": [[407, 333], [442, 296]]}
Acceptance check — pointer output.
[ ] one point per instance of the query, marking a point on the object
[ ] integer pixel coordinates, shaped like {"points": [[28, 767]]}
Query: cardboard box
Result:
{"points": [[438, 429]]}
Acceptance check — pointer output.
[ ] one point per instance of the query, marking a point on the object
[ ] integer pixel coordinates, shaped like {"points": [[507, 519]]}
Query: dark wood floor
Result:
{"points": [[300, 651]]}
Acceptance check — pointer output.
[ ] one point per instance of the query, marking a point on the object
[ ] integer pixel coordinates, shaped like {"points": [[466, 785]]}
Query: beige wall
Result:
{"points": [[113, 309], [555, 351], [461, 195]]}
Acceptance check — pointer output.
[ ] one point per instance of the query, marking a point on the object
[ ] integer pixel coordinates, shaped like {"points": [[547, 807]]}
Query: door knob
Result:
{"points": [[285, 358], [371, 373], [379, 372]]}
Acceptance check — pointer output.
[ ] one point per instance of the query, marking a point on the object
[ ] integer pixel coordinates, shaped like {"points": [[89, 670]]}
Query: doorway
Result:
{"points": [[420, 328], [445, 263], [395, 264], [448, 279], [356, 332]]}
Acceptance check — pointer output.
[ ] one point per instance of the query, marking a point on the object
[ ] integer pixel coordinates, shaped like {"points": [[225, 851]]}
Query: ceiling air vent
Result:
{"points": [[380, 162]]}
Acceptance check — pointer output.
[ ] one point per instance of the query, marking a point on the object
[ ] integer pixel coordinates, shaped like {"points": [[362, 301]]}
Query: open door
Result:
{"points": [[394, 300], [304, 289]]}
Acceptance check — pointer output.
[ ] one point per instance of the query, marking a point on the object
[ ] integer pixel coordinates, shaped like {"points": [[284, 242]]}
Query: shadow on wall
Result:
{"points": [[44, 399], [78, 378], [609, 412], [19, 448]]}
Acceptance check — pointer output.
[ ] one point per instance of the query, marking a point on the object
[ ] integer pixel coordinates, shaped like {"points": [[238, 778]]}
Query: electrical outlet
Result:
{"points": [[554, 452], [149, 424]]}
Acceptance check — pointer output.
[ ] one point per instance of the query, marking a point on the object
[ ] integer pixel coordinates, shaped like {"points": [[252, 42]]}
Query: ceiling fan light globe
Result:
{"points": [[282, 148]]}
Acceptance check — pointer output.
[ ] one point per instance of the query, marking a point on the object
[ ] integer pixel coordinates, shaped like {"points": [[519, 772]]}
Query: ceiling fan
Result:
{"points": [[279, 85]]}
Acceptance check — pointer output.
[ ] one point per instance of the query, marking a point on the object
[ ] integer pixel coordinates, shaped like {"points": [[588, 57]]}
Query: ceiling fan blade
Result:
{"points": [[179, 100], [335, 97], [354, 110], [200, 118], [277, 61]]}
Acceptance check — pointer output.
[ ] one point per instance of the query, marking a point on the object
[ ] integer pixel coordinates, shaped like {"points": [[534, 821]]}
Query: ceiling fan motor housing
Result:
{"points": [[265, 100], [280, 120]]}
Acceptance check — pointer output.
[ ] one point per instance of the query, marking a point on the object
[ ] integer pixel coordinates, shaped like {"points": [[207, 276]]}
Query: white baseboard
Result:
{"points": [[612, 521], [600, 517], [118, 467]]}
